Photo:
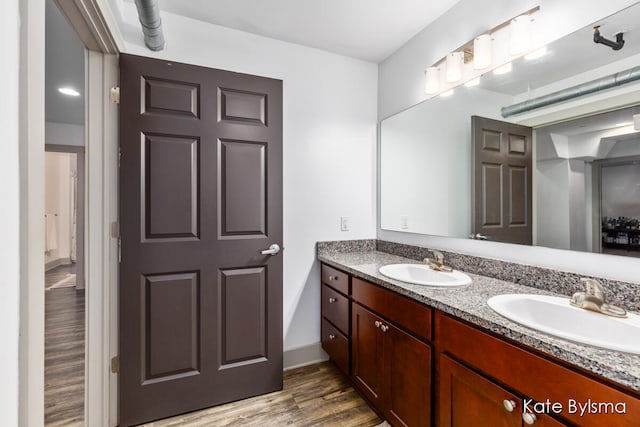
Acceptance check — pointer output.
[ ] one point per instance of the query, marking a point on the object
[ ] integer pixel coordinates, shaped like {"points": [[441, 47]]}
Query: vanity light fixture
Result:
{"points": [[68, 91], [503, 69], [482, 52], [538, 53], [473, 82], [519, 34], [502, 42], [432, 80], [453, 71]]}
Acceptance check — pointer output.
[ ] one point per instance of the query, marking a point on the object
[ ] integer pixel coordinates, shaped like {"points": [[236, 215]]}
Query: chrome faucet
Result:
{"points": [[437, 263], [593, 299]]}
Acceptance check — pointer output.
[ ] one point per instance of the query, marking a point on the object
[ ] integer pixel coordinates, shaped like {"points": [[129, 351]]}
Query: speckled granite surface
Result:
{"points": [[346, 246], [469, 303], [623, 294]]}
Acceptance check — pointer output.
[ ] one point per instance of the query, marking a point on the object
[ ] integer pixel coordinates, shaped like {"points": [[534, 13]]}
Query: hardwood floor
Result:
{"points": [[316, 395], [64, 357]]}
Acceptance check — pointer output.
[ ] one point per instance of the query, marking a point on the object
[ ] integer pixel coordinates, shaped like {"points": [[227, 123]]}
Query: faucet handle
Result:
{"points": [[593, 287], [439, 257]]}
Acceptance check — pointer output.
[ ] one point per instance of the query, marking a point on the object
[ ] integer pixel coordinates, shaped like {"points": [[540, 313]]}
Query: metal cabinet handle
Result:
{"points": [[332, 337], [529, 418], [509, 405], [332, 300], [377, 323], [384, 328], [273, 250]]}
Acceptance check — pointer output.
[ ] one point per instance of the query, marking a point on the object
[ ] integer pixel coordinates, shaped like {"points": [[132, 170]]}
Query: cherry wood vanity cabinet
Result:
{"points": [[391, 354], [486, 380], [335, 322]]}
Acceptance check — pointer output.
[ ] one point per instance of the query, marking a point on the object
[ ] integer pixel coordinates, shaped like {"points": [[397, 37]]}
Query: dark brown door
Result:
{"points": [[200, 197], [501, 185], [408, 378], [367, 353]]}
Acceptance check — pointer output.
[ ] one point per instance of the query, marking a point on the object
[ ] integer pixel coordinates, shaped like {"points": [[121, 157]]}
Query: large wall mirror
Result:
{"points": [[585, 171]]}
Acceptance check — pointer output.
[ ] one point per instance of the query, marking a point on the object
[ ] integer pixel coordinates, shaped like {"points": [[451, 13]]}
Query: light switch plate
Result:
{"points": [[345, 223], [404, 222]]}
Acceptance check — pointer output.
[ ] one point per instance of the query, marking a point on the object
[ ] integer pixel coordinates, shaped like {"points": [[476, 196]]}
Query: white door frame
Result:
{"points": [[93, 27]]}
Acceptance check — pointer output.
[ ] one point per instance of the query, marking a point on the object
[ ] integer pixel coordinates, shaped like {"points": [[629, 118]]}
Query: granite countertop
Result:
{"points": [[470, 303]]}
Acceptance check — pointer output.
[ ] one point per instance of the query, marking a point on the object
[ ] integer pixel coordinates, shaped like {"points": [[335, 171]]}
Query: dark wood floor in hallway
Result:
{"points": [[316, 395], [64, 357]]}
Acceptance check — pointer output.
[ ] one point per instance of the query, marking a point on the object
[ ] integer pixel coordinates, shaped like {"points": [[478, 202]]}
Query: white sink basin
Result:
{"points": [[554, 316], [422, 274]]}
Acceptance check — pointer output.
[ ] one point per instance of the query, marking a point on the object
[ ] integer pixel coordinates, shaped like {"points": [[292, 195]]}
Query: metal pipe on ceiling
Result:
{"points": [[593, 86], [149, 16]]}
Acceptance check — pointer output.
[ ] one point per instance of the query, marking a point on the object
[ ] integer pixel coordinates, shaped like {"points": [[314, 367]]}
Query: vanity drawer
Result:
{"points": [[410, 315], [335, 278], [336, 345], [335, 308]]}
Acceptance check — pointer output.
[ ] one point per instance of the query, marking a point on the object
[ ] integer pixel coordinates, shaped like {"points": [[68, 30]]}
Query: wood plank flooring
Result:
{"points": [[64, 357], [316, 395]]}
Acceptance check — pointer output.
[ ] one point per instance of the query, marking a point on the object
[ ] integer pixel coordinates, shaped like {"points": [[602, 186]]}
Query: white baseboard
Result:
{"points": [[56, 263], [303, 356]]}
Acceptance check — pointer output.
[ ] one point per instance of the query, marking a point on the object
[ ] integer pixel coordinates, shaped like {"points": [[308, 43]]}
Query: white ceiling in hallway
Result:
{"points": [[365, 29]]}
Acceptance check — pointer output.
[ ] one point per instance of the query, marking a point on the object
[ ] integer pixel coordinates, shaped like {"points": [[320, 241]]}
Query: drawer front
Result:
{"points": [[410, 315], [535, 376], [336, 279], [336, 345], [335, 308]]}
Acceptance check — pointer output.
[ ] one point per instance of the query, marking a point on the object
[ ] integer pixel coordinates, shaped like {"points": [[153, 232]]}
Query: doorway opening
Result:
{"points": [[64, 205]]}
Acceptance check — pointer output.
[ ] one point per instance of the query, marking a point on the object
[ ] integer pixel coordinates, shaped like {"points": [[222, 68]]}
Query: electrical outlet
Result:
{"points": [[404, 222], [345, 223]]}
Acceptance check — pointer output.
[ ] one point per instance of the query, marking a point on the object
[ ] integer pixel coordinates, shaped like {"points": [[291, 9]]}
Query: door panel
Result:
{"points": [[170, 326], [408, 370], [367, 353], [170, 199], [200, 197], [243, 315], [466, 399], [242, 184], [502, 180]]}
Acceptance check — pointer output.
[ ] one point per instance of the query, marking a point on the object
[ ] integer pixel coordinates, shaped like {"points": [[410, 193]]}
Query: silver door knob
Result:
{"points": [[377, 323], [332, 337], [273, 250], [332, 300], [528, 418], [509, 405], [384, 328], [478, 236]]}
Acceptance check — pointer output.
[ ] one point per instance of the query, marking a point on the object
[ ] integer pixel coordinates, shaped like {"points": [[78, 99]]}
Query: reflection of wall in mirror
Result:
{"points": [[564, 185], [426, 163]]}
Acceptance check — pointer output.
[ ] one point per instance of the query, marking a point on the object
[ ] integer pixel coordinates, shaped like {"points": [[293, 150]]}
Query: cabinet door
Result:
{"points": [[408, 381], [466, 398], [367, 353]]}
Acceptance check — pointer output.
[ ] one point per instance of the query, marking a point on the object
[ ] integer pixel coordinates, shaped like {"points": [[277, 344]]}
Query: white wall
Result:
{"points": [[401, 82], [10, 213], [425, 163], [620, 191], [57, 200], [63, 134], [329, 143]]}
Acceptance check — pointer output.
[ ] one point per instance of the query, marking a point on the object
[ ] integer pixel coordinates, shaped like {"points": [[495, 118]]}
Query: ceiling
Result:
{"points": [[370, 30], [64, 66]]}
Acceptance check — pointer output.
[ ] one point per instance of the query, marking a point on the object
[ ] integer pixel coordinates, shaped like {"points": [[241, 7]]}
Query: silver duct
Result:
{"points": [[597, 85], [149, 16]]}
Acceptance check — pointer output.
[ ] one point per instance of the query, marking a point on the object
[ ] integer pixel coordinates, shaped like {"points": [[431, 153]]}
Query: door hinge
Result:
{"points": [[115, 364], [119, 249], [115, 230], [115, 94], [119, 156]]}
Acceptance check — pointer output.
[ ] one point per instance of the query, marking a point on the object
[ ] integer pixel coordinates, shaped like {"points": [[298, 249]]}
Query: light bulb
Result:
{"points": [[519, 34], [454, 67], [432, 80], [482, 52]]}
